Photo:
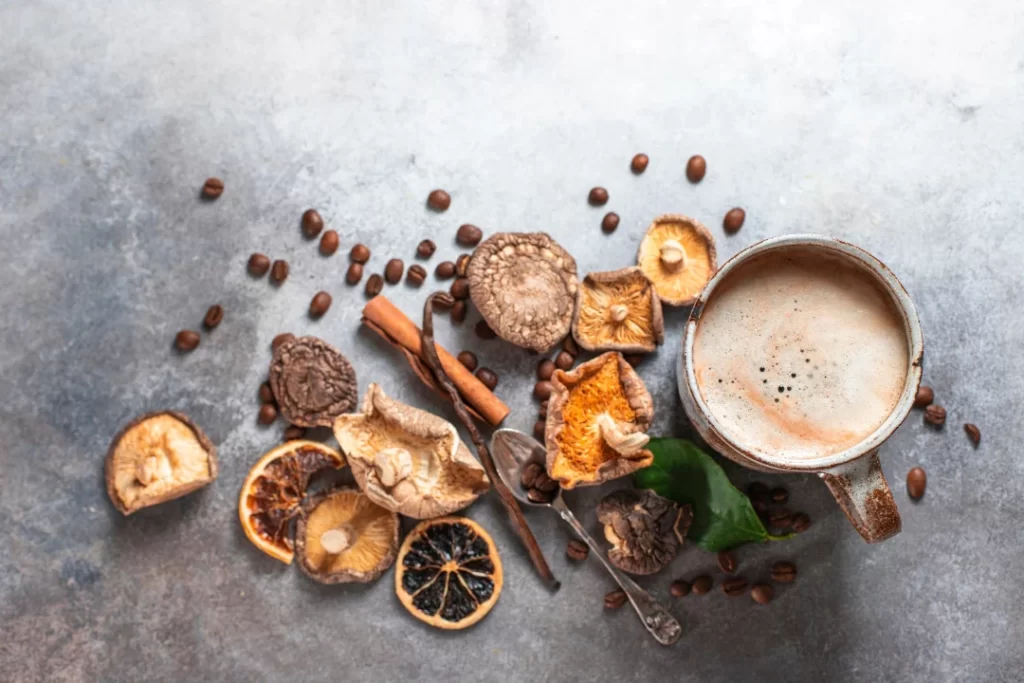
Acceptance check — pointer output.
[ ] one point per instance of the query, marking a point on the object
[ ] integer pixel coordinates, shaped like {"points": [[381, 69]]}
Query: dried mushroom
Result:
{"points": [[156, 458], [597, 416], [343, 537], [312, 382], [645, 530], [408, 460], [618, 311], [678, 255], [524, 285]]}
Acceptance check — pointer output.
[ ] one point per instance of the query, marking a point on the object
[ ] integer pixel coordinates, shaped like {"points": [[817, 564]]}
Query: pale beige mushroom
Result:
{"points": [[678, 255]]}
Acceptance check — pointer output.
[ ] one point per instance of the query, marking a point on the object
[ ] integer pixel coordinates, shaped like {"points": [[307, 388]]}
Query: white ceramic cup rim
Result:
{"points": [[912, 327]]}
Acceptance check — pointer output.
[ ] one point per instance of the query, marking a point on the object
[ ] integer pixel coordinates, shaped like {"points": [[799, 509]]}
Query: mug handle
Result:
{"points": [[862, 492]]}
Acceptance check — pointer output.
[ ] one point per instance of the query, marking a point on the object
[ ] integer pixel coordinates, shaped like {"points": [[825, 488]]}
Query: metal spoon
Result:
{"points": [[512, 450]]}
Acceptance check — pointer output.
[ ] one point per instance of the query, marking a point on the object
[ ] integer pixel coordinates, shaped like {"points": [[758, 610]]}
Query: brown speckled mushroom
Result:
{"points": [[618, 311], [678, 255], [645, 530], [312, 382]]}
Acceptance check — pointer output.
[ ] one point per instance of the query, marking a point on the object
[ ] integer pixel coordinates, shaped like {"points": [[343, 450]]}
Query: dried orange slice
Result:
{"points": [[272, 493], [449, 574]]}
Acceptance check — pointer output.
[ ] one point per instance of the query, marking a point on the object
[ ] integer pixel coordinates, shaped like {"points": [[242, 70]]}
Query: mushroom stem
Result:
{"points": [[151, 468], [392, 465], [673, 256], [623, 443], [334, 541], [619, 312]]}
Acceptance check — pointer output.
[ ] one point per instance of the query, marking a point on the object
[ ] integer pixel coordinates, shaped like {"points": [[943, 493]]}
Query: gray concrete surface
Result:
{"points": [[894, 125]]}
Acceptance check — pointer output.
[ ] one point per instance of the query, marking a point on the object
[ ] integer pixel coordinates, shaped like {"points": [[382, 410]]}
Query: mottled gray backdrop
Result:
{"points": [[897, 125]]}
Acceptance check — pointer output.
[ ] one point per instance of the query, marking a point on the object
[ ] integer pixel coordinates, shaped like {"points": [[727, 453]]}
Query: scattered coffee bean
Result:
{"points": [[757, 490], [598, 196], [679, 589], [186, 340], [484, 331], [639, 163], [468, 235], [460, 289], [917, 480], [459, 312], [614, 600], [426, 249], [360, 253], [292, 432], [537, 496], [569, 346], [530, 473], [735, 585], [266, 394], [762, 593], [374, 285], [439, 200], [783, 572], [702, 584], [329, 242], [354, 273], [801, 522], [213, 188], [543, 409], [214, 316], [779, 495], [733, 220], [319, 305], [393, 271], [258, 265], [781, 518], [279, 271], [416, 275], [973, 433], [468, 360], [268, 413], [577, 550], [542, 390], [760, 506], [312, 223], [564, 360], [444, 270], [610, 222], [538, 430], [545, 369], [696, 167], [727, 561], [634, 359], [545, 483], [935, 415], [925, 396], [462, 265], [487, 376], [281, 340]]}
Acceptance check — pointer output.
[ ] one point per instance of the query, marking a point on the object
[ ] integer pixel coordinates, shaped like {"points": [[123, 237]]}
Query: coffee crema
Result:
{"points": [[800, 354]]}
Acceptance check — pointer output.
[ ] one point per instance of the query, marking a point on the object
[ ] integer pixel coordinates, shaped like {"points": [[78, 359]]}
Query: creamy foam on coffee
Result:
{"points": [[800, 354]]}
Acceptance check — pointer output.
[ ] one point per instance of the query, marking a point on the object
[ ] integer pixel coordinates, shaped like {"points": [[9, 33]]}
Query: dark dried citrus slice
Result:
{"points": [[272, 493], [449, 574]]}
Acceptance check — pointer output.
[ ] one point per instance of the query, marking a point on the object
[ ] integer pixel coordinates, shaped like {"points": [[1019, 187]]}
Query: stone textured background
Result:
{"points": [[895, 125]]}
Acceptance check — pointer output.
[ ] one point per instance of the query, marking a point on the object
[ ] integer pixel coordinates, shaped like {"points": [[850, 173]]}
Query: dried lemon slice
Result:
{"points": [[678, 255]]}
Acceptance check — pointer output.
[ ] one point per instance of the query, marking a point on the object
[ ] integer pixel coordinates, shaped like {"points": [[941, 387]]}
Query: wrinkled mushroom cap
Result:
{"points": [[312, 382], [408, 460], [678, 255], [618, 311], [645, 530], [597, 416], [524, 285]]}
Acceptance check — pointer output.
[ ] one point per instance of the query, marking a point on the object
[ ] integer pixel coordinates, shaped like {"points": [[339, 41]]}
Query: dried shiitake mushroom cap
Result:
{"points": [[524, 285], [678, 255], [408, 460], [156, 458], [618, 311], [343, 537], [312, 382], [597, 416], [645, 530]]}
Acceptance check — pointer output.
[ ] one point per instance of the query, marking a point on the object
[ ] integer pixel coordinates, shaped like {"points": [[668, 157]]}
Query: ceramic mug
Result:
{"points": [[854, 476]]}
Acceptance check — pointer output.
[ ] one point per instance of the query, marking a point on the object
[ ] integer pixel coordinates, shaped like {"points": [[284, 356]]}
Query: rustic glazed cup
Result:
{"points": [[855, 475]]}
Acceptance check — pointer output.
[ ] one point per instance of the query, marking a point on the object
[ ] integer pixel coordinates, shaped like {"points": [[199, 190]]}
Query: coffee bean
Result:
{"points": [[415, 275], [760, 506], [186, 340], [444, 270], [679, 589], [354, 273], [374, 285], [917, 480], [801, 522], [935, 415], [393, 271], [312, 223], [570, 347], [735, 585], [538, 430], [488, 377], [258, 265], [359, 253], [610, 222], [702, 584], [268, 413], [460, 289], [727, 561], [762, 593], [530, 473], [468, 360], [614, 600], [634, 359], [536, 496], [329, 242], [281, 340], [266, 394], [781, 518], [733, 220], [545, 369], [213, 188], [577, 550], [545, 483], [779, 495], [598, 196], [973, 433], [543, 409], [925, 396], [468, 235], [319, 305], [439, 200], [426, 249], [784, 572], [291, 433], [542, 390], [462, 265], [484, 331], [564, 360], [459, 312], [696, 167], [279, 271], [639, 163], [214, 316], [758, 490]]}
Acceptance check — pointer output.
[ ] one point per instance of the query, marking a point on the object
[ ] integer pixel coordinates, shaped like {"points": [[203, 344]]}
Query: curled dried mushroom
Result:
{"points": [[524, 285], [343, 537], [645, 530], [408, 460], [156, 458], [597, 416], [618, 311], [678, 255], [312, 382]]}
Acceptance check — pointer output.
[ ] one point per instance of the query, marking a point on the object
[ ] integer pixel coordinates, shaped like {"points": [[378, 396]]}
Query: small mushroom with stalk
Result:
{"points": [[618, 311], [343, 537], [678, 256], [645, 530]]}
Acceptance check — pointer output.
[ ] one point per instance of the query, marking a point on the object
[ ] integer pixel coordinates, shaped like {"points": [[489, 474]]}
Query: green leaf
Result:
{"points": [[722, 515]]}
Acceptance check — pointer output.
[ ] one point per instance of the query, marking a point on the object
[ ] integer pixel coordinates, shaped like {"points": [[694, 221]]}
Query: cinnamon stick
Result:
{"points": [[386, 316]]}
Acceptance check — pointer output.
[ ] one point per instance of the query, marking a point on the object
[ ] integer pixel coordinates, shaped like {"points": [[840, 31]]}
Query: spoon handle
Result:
{"points": [[662, 625]]}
